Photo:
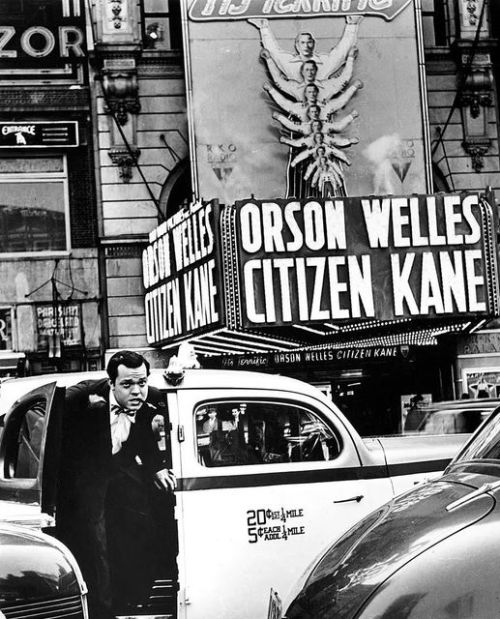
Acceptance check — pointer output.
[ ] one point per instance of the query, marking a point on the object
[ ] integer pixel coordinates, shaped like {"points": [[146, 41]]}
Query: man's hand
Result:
{"points": [[165, 480], [352, 19], [258, 23]]}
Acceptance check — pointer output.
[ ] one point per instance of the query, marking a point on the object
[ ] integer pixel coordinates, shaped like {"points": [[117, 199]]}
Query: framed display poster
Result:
{"points": [[481, 382], [304, 98]]}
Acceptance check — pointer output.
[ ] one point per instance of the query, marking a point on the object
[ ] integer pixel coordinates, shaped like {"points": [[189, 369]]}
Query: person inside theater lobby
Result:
{"points": [[110, 465]]}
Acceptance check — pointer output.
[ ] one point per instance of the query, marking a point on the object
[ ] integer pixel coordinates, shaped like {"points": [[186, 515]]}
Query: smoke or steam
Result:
{"points": [[382, 154]]}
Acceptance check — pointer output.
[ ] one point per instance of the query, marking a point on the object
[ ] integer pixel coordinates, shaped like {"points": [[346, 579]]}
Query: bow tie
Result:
{"points": [[117, 410]]}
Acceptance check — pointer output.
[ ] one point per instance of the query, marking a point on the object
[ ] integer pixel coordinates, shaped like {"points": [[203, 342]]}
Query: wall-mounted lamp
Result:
{"points": [[475, 102]]}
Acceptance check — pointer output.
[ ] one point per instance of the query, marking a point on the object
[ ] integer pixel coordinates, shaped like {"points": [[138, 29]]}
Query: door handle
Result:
{"points": [[357, 498]]}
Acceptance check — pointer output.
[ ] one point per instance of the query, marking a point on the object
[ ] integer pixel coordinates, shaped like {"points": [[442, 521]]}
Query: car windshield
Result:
{"points": [[445, 420], [486, 444]]}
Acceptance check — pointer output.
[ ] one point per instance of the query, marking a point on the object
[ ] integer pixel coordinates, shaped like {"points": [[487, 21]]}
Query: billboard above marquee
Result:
{"points": [[304, 98], [181, 276], [353, 259]]}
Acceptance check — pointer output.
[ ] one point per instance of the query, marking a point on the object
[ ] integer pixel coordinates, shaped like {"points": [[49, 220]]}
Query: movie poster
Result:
{"points": [[304, 98]]}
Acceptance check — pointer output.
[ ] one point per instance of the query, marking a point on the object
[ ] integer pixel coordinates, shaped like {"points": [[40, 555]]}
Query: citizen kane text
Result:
{"points": [[361, 258]]}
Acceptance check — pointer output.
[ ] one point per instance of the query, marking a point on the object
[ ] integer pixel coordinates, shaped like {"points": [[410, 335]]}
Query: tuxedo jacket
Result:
{"points": [[86, 436]]}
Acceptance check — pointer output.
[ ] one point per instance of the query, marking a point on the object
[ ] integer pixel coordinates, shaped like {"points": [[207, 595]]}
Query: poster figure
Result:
{"points": [[482, 388], [311, 89], [480, 383]]}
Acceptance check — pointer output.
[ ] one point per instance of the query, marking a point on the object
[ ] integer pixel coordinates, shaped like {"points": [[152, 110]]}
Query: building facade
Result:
{"points": [[50, 294], [182, 98]]}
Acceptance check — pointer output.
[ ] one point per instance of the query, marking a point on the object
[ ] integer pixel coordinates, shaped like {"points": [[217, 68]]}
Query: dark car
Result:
{"points": [[39, 578], [431, 552]]}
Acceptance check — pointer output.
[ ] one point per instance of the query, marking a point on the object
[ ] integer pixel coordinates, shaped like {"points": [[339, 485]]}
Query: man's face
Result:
{"points": [[313, 112], [311, 94], [318, 138], [309, 71], [305, 44], [316, 126], [131, 387]]}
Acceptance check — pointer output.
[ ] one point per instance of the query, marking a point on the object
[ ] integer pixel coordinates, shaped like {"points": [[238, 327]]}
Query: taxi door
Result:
{"points": [[29, 456], [266, 480]]}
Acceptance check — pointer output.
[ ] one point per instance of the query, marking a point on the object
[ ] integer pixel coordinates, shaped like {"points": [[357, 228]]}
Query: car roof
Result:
{"points": [[12, 389], [461, 405]]}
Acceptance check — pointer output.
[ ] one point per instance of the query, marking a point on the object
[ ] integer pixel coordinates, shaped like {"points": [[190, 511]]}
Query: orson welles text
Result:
{"points": [[348, 258], [180, 275]]}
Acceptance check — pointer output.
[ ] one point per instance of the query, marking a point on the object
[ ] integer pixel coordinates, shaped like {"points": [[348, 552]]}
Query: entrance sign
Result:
{"points": [[39, 134], [181, 275], [363, 258], [303, 98]]}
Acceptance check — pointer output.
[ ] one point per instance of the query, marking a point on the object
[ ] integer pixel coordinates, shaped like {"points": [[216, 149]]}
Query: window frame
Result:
{"points": [[42, 177], [11, 435], [172, 15], [298, 405]]}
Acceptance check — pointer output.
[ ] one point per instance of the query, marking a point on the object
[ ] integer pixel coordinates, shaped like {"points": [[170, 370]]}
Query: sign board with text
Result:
{"points": [[304, 98], [41, 37], [352, 259], [181, 275], [64, 321], [38, 134]]}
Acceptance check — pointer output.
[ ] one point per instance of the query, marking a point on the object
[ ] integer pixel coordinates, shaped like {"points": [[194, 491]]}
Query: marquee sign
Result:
{"points": [[181, 267], [352, 259], [223, 272], [300, 358]]}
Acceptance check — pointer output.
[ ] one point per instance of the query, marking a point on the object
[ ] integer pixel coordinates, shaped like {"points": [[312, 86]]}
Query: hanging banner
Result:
{"points": [[354, 259], [181, 275], [304, 98]]}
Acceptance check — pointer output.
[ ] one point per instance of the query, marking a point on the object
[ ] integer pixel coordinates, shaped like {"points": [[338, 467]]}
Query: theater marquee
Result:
{"points": [[181, 276], [362, 258], [235, 272]]}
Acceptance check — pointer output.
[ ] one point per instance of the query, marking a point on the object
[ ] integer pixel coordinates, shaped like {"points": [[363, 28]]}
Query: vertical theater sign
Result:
{"points": [[256, 266], [181, 274], [312, 98]]}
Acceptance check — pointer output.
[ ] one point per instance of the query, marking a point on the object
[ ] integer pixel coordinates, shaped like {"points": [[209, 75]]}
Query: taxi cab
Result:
{"points": [[269, 470]]}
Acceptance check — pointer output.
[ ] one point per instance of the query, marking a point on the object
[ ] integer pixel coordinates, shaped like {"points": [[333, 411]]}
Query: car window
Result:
{"points": [[258, 432], [24, 440], [486, 444], [444, 421]]}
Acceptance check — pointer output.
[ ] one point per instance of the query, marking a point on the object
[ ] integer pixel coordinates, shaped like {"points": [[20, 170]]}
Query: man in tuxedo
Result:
{"points": [[110, 461]]}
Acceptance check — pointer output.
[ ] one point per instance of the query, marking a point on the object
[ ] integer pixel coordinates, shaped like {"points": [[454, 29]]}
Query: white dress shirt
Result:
{"points": [[120, 424]]}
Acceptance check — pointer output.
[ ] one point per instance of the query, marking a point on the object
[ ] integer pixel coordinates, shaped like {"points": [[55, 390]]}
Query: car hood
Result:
{"points": [[380, 544]]}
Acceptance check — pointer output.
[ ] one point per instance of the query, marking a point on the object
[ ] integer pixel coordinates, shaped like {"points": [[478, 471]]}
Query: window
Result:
{"points": [[25, 441], [434, 21], [257, 432], [33, 205], [162, 25]]}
